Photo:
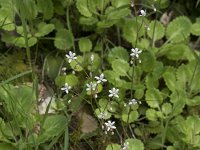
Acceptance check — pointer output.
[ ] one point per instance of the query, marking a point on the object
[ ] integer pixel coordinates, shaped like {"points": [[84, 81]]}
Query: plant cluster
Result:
{"points": [[99, 74]]}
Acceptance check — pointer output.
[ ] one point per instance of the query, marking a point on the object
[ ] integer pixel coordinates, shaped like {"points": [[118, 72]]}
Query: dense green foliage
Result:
{"points": [[37, 37]]}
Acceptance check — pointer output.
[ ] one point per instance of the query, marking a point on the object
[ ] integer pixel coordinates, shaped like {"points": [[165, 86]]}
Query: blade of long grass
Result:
{"points": [[15, 77]]}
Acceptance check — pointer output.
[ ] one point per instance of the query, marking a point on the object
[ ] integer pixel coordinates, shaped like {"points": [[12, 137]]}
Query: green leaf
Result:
{"points": [[53, 66], [151, 81], [195, 101], [106, 23], [113, 147], [129, 117], [20, 41], [28, 8], [179, 100], [151, 114], [187, 76], [7, 146], [77, 66], [190, 128], [195, 30], [148, 61], [46, 7], [64, 39], [129, 28], [179, 29], [71, 79], [171, 148], [153, 97], [120, 66], [53, 126], [119, 3], [159, 31], [166, 108], [82, 6], [116, 14], [7, 18], [85, 45], [170, 78], [177, 51], [44, 29], [134, 144], [88, 21], [118, 53]]}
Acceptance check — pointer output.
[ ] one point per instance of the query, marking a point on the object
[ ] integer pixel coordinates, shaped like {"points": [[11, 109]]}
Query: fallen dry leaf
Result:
{"points": [[88, 123]]}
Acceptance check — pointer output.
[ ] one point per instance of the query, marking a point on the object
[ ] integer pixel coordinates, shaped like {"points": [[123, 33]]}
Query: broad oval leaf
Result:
{"points": [[120, 66], [64, 39], [82, 6], [157, 30], [153, 97], [179, 29], [85, 45], [134, 144]]}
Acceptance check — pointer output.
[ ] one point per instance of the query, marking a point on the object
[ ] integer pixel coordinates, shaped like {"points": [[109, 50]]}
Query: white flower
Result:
{"points": [[64, 70], [135, 52], [133, 102], [114, 93], [91, 86], [71, 56], [92, 58], [100, 78], [147, 27], [154, 8], [66, 88], [102, 115], [125, 146], [110, 125], [143, 13]]}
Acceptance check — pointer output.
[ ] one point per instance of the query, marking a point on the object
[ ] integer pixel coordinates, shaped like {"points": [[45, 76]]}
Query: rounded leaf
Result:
{"points": [[113, 147], [64, 39], [156, 33], [85, 45], [195, 30], [82, 6], [134, 144], [44, 29], [179, 29], [120, 66], [71, 79], [153, 97]]}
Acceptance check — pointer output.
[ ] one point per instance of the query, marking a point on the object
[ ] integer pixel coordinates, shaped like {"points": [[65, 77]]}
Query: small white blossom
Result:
{"points": [[135, 52], [147, 27], [64, 70], [125, 146], [66, 88], [133, 102], [91, 86], [114, 93], [100, 78], [71, 56], [132, 4], [102, 115], [92, 58], [110, 126], [143, 13], [154, 8]]}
